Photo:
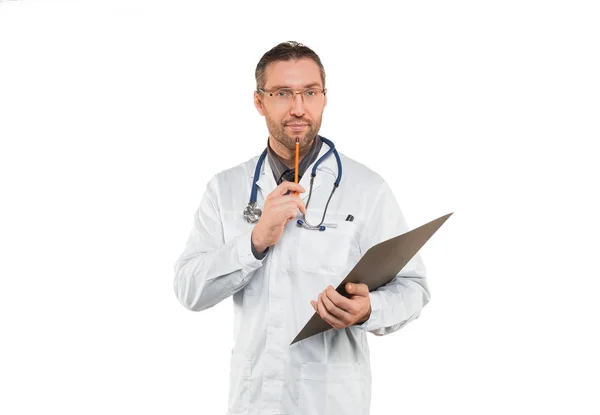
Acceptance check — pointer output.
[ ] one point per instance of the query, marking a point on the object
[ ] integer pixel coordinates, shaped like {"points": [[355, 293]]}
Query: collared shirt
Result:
{"points": [[282, 172]]}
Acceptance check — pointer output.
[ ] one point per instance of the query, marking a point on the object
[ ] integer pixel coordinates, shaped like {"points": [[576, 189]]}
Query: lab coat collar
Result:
{"points": [[328, 166]]}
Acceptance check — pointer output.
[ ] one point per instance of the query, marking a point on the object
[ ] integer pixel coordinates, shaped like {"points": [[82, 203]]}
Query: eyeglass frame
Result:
{"points": [[301, 93]]}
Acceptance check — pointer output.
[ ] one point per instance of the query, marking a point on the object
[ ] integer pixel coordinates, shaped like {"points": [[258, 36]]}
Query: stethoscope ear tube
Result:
{"points": [[321, 227]]}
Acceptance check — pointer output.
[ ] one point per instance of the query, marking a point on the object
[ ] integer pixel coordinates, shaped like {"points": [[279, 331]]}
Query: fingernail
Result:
{"points": [[349, 286]]}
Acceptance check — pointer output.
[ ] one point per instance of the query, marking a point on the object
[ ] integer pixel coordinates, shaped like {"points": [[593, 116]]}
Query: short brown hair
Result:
{"points": [[284, 52]]}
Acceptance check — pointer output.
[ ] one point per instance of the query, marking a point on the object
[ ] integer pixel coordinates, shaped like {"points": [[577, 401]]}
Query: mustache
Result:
{"points": [[297, 121]]}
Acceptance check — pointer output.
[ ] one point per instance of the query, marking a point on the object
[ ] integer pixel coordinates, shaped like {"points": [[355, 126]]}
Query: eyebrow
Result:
{"points": [[289, 87]]}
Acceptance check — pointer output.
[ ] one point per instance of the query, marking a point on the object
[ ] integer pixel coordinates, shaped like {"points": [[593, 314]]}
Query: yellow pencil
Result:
{"points": [[297, 162]]}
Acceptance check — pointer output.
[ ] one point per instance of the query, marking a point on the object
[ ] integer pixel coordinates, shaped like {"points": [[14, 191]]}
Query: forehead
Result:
{"points": [[293, 74]]}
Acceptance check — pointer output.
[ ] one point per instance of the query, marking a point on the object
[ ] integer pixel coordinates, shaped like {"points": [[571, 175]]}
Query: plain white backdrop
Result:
{"points": [[115, 114]]}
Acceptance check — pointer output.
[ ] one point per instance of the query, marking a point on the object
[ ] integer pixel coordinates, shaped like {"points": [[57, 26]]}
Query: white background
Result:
{"points": [[115, 114]]}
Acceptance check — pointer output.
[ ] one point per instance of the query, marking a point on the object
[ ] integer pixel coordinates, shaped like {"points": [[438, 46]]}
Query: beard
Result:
{"points": [[277, 131]]}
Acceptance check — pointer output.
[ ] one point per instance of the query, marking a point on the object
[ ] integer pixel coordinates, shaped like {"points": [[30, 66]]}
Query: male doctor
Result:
{"points": [[280, 273]]}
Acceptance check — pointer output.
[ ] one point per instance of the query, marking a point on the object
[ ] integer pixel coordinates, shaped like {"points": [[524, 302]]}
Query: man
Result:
{"points": [[280, 273]]}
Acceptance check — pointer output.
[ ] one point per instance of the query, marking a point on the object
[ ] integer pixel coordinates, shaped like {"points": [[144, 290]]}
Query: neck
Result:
{"points": [[287, 156]]}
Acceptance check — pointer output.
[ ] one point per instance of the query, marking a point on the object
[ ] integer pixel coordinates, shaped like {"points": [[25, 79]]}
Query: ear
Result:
{"points": [[258, 103]]}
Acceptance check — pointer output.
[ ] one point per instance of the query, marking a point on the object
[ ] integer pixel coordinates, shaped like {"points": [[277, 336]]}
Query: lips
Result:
{"points": [[296, 127]]}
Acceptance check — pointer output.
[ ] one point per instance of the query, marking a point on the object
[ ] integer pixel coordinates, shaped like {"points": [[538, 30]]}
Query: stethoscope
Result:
{"points": [[252, 213]]}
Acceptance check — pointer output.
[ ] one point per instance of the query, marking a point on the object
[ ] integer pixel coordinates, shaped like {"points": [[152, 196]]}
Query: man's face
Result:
{"points": [[299, 118]]}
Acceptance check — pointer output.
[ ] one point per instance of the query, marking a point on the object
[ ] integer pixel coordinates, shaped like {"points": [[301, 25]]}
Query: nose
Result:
{"points": [[297, 106]]}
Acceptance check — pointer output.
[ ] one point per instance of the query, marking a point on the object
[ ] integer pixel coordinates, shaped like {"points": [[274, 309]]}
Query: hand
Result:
{"points": [[341, 312], [279, 209]]}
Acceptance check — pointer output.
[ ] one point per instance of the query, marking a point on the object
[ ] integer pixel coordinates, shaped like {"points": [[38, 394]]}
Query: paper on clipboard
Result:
{"points": [[378, 266]]}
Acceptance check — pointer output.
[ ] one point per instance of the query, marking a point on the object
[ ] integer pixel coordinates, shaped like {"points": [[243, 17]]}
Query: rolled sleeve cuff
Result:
{"points": [[247, 259], [374, 321], [257, 255]]}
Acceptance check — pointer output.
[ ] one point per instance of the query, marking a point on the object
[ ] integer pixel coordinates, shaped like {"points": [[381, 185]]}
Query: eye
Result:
{"points": [[283, 93], [311, 92]]}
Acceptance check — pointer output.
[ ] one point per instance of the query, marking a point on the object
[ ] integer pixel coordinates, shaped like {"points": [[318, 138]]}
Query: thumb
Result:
{"points": [[357, 289]]}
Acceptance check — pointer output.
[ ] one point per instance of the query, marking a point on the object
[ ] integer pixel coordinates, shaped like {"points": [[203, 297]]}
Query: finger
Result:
{"points": [[291, 212], [360, 289], [325, 315], [291, 201], [297, 203], [284, 199], [284, 207], [335, 311], [301, 206], [286, 186], [291, 207], [339, 300]]}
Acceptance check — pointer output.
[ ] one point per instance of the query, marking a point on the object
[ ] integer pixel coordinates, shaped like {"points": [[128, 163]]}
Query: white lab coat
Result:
{"points": [[328, 373]]}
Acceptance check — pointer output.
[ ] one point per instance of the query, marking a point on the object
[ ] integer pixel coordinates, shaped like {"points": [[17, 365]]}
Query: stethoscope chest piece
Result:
{"points": [[252, 213]]}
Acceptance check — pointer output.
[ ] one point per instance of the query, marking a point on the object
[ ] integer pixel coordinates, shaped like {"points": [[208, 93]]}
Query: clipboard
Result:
{"points": [[377, 267]]}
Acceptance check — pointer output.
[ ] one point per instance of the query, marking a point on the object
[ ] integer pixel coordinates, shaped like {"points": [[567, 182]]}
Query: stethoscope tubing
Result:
{"points": [[252, 213]]}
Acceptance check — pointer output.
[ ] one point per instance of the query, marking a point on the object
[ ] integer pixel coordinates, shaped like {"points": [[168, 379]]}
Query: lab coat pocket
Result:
{"points": [[327, 251], [239, 385], [333, 389]]}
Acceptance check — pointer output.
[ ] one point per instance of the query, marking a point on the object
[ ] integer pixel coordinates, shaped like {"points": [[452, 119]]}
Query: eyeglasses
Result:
{"points": [[286, 96]]}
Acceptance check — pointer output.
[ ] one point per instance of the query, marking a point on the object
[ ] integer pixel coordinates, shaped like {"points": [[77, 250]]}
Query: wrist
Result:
{"points": [[257, 242], [365, 317]]}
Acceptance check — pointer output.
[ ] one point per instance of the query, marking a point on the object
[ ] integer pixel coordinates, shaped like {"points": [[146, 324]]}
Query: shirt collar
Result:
{"points": [[267, 183], [278, 167]]}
